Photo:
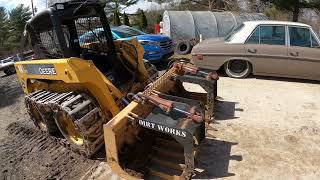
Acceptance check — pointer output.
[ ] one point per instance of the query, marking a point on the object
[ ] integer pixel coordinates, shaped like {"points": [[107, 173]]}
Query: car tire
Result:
{"points": [[7, 72], [238, 68], [183, 48], [10, 70]]}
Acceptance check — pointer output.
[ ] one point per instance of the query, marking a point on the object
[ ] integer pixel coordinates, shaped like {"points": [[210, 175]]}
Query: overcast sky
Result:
{"points": [[41, 4], [9, 4], [142, 4]]}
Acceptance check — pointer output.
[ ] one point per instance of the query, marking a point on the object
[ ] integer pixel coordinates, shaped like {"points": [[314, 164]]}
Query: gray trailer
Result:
{"points": [[187, 28]]}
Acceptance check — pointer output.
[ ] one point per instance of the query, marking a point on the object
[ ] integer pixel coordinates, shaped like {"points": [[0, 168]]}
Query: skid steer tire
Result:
{"points": [[76, 116], [80, 121], [40, 118]]}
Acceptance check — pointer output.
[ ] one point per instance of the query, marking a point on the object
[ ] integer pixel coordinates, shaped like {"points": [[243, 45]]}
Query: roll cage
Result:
{"points": [[55, 32]]}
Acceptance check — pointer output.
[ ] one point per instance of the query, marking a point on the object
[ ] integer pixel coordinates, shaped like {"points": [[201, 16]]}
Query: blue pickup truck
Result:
{"points": [[158, 48]]}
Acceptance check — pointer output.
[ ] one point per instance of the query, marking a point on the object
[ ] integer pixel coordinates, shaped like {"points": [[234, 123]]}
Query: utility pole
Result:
{"points": [[32, 7]]}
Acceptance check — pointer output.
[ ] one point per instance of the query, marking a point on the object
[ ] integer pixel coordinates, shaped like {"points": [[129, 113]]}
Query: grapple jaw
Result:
{"points": [[159, 133], [177, 129]]}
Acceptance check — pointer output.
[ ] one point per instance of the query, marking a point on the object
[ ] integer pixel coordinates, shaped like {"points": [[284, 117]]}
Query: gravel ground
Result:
{"points": [[270, 126], [266, 128]]}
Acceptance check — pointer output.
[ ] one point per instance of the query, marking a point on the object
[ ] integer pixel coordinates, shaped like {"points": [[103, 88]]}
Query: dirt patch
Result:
{"points": [[12, 107], [10, 89], [134, 159], [273, 125], [30, 154]]}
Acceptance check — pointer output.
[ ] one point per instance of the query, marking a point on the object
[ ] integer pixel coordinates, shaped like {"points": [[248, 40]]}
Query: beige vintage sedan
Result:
{"points": [[271, 48]]}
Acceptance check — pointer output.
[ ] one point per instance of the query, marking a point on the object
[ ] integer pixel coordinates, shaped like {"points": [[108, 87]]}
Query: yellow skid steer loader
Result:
{"points": [[95, 91]]}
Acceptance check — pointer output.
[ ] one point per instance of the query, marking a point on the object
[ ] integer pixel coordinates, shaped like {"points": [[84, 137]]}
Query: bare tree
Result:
{"points": [[295, 7], [210, 5], [258, 6]]}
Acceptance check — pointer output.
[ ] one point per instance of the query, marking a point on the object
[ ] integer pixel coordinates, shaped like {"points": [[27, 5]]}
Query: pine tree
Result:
{"points": [[159, 18], [143, 20], [18, 18], [4, 25], [126, 19]]}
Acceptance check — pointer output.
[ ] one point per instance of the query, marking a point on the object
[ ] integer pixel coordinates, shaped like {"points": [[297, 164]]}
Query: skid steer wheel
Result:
{"points": [[80, 121], [35, 115], [237, 68], [39, 114]]}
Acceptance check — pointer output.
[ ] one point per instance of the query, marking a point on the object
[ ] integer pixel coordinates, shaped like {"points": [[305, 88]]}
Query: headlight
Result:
{"points": [[151, 43]]}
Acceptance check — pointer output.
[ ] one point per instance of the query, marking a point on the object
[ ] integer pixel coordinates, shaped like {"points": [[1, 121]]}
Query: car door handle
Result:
{"points": [[252, 51], [294, 53]]}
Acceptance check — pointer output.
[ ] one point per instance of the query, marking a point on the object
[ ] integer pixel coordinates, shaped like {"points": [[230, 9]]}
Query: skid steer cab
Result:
{"points": [[103, 92]]}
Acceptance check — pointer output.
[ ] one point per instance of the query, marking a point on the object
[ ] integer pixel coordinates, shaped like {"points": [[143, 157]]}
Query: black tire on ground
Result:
{"points": [[238, 68], [42, 120], [183, 47], [10, 70], [7, 72], [13, 70]]}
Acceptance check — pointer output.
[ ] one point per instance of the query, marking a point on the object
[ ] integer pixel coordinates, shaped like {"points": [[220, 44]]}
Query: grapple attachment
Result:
{"points": [[159, 133]]}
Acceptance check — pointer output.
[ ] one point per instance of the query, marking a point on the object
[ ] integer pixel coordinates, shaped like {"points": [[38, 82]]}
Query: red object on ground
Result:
{"points": [[157, 28]]}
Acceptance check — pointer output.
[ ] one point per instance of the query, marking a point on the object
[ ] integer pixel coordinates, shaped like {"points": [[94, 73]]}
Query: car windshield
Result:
{"points": [[125, 32], [231, 35]]}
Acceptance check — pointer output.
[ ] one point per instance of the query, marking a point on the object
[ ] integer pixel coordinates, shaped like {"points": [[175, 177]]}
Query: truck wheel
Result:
{"points": [[183, 47], [237, 68]]}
